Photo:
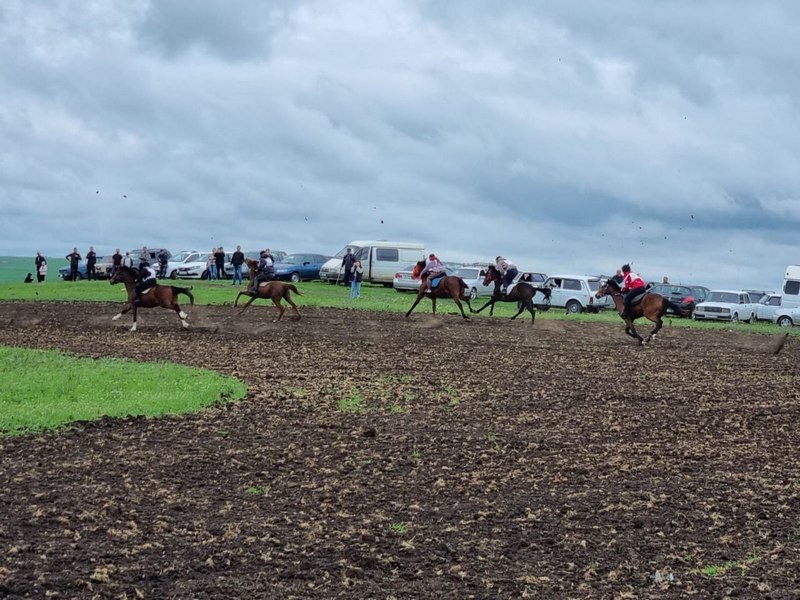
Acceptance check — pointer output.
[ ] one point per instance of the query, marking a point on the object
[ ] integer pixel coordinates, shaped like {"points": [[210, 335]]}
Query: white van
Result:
{"points": [[791, 287], [381, 259]]}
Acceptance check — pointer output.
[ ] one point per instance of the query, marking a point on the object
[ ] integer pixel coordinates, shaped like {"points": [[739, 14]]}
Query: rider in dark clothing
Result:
{"points": [[266, 270], [91, 261], [146, 280]]}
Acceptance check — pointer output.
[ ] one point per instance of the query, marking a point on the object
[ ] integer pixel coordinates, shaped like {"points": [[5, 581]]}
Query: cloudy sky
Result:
{"points": [[568, 136]]}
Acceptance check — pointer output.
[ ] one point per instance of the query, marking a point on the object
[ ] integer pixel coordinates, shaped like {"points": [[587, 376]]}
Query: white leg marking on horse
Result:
{"points": [[134, 326], [116, 317], [182, 315], [185, 324]]}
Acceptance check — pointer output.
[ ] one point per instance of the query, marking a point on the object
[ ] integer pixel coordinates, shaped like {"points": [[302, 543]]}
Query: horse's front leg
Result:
{"points": [[241, 293], [491, 301], [460, 307], [413, 306], [125, 310], [181, 315], [433, 303], [135, 311], [248, 303], [635, 334]]}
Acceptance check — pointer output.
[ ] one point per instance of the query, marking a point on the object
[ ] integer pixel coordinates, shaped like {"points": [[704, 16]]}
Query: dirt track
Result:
{"points": [[492, 460]]}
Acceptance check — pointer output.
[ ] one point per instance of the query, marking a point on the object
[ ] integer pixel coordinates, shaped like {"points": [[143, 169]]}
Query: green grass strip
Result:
{"points": [[45, 389]]}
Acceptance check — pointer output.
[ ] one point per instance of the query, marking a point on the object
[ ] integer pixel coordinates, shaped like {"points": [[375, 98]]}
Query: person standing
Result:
{"points": [[91, 261], [219, 259], [211, 264], [237, 260], [116, 262], [144, 258], [355, 285], [41, 267], [127, 260], [347, 264], [74, 260], [163, 261]]}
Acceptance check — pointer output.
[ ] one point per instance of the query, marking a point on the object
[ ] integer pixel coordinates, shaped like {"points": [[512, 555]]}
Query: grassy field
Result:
{"points": [[318, 294], [45, 389], [14, 268]]}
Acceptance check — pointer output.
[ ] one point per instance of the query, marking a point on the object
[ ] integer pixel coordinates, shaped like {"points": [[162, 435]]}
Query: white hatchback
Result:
{"points": [[576, 293], [726, 305]]}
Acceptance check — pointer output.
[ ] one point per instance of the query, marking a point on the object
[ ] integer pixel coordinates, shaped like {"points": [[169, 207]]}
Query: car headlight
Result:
{"points": [[725, 310]]}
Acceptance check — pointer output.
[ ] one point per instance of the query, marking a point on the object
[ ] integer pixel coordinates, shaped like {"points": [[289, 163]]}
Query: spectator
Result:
{"points": [[74, 260], [219, 259], [144, 258], [355, 284], [665, 280], [618, 277], [347, 263], [163, 261], [41, 267], [29, 278], [127, 260], [91, 261], [116, 262], [211, 264], [237, 260]]}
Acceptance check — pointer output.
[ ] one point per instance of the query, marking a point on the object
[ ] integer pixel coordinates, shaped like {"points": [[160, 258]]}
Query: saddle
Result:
{"points": [[147, 291], [638, 298], [435, 281]]}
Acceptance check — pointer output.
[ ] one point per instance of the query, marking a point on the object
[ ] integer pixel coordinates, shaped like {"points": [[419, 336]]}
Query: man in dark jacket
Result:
{"points": [[219, 260], [91, 261], [116, 261], [163, 261], [237, 260], [74, 260], [347, 263]]}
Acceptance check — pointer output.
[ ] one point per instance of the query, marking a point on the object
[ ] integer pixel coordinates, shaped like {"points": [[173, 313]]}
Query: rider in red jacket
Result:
{"points": [[632, 285]]}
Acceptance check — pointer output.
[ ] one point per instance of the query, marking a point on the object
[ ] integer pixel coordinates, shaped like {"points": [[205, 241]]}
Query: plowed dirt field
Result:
{"points": [[380, 457]]}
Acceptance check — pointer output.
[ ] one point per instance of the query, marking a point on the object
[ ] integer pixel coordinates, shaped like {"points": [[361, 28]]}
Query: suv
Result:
{"points": [[685, 296], [576, 293], [727, 305]]}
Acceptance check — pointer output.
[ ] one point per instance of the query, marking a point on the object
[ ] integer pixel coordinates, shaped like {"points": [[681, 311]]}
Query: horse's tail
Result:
{"points": [[684, 312], [290, 286], [185, 291]]}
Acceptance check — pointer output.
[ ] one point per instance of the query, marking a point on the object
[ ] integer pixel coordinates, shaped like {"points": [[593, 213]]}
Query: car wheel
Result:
{"points": [[785, 321], [295, 277], [735, 318], [204, 275], [752, 319], [473, 294], [574, 307], [174, 274]]}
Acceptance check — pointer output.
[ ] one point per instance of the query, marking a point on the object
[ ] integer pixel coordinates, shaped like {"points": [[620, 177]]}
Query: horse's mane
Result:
{"points": [[612, 283], [131, 270]]}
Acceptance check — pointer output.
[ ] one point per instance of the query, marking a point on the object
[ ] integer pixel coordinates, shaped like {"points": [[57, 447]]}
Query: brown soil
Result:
{"points": [[491, 459]]}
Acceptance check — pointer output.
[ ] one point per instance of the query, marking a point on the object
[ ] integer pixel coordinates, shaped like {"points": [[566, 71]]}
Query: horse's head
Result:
{"points": [[609, 288], [492, 274], [418, 269], [124, 275]]}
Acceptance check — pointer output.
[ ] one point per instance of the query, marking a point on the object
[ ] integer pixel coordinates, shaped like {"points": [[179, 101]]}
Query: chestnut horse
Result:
{"points": [[652, 306], [159, 295], [449, 287], [272, 290], [522, 294]]}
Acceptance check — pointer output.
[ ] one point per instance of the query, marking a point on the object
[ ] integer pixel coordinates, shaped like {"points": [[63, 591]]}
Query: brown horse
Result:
{"points": [[652, 306], [522, 294], [449, 287], [273, 290], [159, 295]]}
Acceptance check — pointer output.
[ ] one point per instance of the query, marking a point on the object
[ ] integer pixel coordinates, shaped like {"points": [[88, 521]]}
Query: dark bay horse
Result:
{"points": [[272, 290], [522, 294], [164, 296], [652, 306], [449, 287]]}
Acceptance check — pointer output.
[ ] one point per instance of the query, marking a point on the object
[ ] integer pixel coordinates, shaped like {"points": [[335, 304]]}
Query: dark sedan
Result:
{"points": [[685, 296], [300, 267]]}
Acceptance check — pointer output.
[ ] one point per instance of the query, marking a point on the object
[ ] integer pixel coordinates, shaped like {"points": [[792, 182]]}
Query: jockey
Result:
{"points": [[632, 285], [266, 270], [508, 270], [433, 268], [146, 280]]}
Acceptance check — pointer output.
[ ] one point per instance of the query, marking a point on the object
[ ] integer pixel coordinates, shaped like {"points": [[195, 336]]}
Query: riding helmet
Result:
{"points": [[626, 268]]}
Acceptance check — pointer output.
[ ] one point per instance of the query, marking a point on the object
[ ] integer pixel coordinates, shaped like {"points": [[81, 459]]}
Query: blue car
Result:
{"points": [[300, 267], [63, 272]]}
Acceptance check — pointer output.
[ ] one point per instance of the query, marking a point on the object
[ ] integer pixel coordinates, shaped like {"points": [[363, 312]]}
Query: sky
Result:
{"points": [[570, 137]]}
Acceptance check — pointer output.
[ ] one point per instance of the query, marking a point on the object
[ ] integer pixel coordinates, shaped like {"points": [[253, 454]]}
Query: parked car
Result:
{"points": [[404, 280], [180, 259], [196, 268], [381, 260], [787, 317], [726, 305], [576, 293], [757, 295], [767, 307], [300, 267], [64, 272], [685, 296], [277, 255], [473, 276]]}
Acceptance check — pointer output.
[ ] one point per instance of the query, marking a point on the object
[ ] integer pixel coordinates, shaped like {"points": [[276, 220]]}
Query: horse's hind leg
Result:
{"points": [[460, 307], [182, 315], [413, 306], [277, 303], [521, 306], [288, 299], [133, 327], [659, 323], [433, 303]]}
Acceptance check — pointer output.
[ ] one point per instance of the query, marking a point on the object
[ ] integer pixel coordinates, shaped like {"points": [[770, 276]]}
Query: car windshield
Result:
{"points": [[594, 284], [181, 256], [343, 251], [728, 297], [292, 259], [468, 273]]}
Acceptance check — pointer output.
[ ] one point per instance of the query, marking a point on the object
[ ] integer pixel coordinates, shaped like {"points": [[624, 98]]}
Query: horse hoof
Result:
{"points": [[185, 324]]}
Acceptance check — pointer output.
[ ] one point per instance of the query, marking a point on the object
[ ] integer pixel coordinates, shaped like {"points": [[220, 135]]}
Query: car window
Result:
{"points": [[774, 301], [292, 259], [594, 284], [387, 254], [467, 273], [728, 297], [744, 299], [363, 253], [792, 288], [572, 284], [343, 251]]}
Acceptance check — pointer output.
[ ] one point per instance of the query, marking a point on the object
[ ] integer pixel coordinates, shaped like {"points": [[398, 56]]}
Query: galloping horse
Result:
{"points": [[273, 290], [159, 295], [449, 287], [653, 306], [522, 293]]}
